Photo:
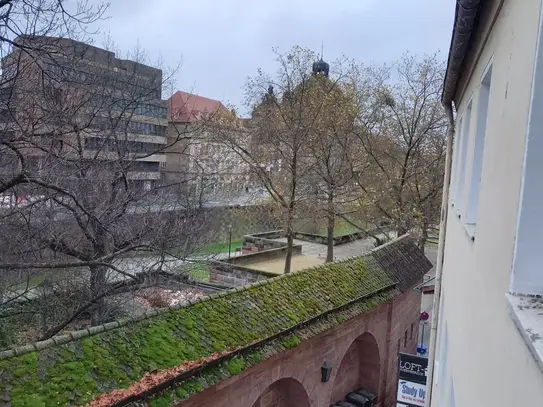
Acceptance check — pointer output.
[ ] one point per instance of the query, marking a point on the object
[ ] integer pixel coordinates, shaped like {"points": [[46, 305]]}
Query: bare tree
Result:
{"points": [[83, 209], [333, 149], [402, 129], [275, 144]]}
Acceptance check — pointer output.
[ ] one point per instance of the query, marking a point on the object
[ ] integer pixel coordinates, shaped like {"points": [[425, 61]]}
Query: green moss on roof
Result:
{"points": [[80, 370], [184, 390]]}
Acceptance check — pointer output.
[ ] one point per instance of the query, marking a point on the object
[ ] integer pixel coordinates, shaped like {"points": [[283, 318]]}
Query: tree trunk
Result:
{"points": [[97, 286], [401, 228], [290, 242], [330, 229], [423, 238]]}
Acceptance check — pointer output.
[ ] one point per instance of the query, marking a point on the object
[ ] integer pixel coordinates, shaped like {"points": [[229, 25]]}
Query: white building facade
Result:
{"points": [[490, 334]]}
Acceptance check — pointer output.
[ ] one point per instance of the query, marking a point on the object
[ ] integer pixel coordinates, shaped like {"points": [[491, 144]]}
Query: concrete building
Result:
{"points": [[489, 344], [194, 153], [89, 103]]}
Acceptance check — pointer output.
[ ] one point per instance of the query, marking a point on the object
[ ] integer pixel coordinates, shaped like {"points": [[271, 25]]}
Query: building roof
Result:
{"points": [[186, 108], [172, 353], [427, 285], [465, 21]]}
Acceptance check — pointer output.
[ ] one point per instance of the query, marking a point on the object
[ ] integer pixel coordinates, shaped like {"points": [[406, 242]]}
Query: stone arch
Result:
{"points": [[286, 392], [360, 367]]}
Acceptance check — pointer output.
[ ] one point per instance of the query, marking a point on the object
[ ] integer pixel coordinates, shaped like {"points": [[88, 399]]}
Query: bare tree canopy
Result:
{"points": [[402, 131], [297, 112], [91, 215], [84, 213]]}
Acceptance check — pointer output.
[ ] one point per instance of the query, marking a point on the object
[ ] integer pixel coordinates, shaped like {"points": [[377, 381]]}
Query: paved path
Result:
{"points": [[344, 251]]}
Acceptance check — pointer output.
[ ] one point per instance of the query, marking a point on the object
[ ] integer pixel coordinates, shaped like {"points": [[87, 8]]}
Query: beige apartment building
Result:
{"points": [[194, 152], [489, 349], [74, 100]]}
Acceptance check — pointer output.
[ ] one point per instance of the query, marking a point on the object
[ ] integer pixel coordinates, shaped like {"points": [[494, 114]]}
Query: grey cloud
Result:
{"points": [[222, 42]]}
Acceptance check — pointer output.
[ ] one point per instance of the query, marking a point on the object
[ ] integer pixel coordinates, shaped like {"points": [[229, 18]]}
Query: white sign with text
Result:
{"points": [[411, 393]]}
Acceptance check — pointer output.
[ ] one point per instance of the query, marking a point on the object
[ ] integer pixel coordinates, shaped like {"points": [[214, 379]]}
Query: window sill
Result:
{"points": [[527, 313], [470, 230]]}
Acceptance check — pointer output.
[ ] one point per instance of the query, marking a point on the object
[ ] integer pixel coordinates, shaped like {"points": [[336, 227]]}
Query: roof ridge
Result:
{"points": [[390, 242], [190, 94]]}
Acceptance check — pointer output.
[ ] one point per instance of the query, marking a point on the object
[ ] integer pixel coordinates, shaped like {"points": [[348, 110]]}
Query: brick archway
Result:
{"points": [[359, 368], [283, 393]]}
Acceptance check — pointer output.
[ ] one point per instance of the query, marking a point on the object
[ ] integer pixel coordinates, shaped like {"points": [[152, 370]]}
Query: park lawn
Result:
{"points": [[340, 231], [220, 247], [199, 272]]}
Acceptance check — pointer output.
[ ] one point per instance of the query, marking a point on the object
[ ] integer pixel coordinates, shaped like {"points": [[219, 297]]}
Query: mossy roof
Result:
{"points": [[234, 330]]}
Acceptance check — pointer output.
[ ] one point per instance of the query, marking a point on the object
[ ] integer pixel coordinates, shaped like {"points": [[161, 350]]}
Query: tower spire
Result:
{"points": [[321, 67], [322, 49]]}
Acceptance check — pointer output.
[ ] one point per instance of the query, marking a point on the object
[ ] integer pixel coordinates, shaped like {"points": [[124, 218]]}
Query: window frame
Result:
{"points": [[457, 142], [463, 157], [478, 144]]}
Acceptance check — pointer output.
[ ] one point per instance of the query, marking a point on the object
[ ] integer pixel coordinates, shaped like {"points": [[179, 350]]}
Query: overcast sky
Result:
{"points": [[221, 42]]}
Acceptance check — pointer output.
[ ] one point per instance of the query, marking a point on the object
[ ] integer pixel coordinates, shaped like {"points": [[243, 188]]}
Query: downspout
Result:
{"points": [[440, 255]]}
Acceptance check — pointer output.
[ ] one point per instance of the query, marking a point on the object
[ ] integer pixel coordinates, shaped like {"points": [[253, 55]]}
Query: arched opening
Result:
{"points": [[284, 393], [359, 369]]}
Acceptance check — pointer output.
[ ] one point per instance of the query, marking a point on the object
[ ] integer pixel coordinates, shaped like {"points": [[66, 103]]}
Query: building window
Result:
{"points": [[463, 146], [454, 173], [526, 277], [405, 339], [478, 148], [411, 334]]}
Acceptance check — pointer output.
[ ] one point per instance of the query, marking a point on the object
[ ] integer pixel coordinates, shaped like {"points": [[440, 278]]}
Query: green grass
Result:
{"points": [[220, 247], [199, 272], [339, 231]]}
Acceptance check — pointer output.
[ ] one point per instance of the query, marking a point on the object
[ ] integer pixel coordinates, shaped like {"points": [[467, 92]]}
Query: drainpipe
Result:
{"points": [[440, 255]]}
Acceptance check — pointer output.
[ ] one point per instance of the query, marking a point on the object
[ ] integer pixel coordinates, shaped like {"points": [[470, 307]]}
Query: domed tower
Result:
{"points": [[321, 68]]}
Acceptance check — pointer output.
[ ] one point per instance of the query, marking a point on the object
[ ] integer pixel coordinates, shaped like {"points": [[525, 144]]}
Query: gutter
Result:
{"points": [[465, 22]]}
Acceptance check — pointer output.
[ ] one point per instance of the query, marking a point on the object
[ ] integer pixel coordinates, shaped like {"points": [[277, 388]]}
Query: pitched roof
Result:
{"points": [[427, 286], [192, 347], [402, 260], [185, 107]]}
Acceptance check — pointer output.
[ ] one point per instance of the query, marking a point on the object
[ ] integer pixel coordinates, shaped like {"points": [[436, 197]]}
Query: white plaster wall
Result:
{"points": [[487, 358]]}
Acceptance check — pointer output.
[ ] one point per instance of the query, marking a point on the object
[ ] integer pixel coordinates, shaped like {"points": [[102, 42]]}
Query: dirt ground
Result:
{"points": [[299, 262]]}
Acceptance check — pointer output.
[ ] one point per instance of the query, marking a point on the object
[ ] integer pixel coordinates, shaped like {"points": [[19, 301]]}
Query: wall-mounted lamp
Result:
{"points": [[326, 371]]}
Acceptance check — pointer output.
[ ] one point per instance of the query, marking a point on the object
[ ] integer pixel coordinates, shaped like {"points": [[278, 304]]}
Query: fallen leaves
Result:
{"points": [[151, 380]]}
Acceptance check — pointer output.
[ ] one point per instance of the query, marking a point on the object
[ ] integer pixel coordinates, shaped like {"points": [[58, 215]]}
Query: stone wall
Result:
{"points": [[261, 241], [264, 255], [293, 377], [234, 275]]}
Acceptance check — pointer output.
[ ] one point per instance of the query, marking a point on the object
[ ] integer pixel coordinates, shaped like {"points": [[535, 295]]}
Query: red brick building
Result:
{"points": [[362, 351], [262, 345]]}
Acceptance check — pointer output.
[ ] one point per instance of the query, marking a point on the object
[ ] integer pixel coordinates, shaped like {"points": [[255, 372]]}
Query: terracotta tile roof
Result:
{"points": [[185, 107], [189, 348]]}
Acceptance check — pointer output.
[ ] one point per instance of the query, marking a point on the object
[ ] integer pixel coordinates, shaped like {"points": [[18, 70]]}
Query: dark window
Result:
{"points": [[122, 146], [405, 339], [411, 335], [144, 166]]}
